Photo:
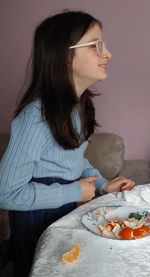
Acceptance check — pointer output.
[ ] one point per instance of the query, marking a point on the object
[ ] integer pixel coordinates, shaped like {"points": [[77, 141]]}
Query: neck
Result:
{"points": [[81, 86]]}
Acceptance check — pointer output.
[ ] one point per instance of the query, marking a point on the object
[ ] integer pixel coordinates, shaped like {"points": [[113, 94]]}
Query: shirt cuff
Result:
{"points": [[102, 191], [100, 183]]}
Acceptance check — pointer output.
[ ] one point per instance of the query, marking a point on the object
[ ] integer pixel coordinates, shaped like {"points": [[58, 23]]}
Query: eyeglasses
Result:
{"points": [[100, 46]]}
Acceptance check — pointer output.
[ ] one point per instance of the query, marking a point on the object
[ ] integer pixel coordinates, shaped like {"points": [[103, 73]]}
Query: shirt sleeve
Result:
{"points": [[89, 170], [16, 168]]}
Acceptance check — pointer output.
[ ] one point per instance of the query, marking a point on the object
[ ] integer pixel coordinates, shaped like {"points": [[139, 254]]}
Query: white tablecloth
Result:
{"points": [[99, 257]]}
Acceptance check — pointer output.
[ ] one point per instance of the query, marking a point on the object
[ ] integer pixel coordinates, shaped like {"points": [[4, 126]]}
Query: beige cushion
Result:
{"points": [[105, 152]]}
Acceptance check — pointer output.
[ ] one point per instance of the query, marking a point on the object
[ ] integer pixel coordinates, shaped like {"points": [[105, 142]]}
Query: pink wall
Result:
{"points": [[123, 107]]}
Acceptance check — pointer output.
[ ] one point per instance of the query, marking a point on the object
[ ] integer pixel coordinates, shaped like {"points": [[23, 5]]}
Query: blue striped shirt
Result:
{"points": [[33, 152]]}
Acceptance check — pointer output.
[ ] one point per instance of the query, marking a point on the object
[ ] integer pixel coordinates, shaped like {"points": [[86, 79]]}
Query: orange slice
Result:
{"points": [[126, 233], [139, 232], [72, 255]]}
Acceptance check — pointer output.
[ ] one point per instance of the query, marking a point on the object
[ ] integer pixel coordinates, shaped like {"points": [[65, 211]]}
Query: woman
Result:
{"points": [[44, 172]]}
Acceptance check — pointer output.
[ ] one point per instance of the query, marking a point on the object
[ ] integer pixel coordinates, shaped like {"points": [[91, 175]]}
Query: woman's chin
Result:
{"points": [[103, 76]]}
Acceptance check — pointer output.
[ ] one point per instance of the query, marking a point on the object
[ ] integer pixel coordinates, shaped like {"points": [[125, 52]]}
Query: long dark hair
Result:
{"points": [[51, 78]]}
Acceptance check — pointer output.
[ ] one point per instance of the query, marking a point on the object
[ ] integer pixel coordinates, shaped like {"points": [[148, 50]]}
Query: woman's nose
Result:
{"points": [[107, 54]]}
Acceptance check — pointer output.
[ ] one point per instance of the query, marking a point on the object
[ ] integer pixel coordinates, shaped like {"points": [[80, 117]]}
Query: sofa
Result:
{"points": [[105, 152]]}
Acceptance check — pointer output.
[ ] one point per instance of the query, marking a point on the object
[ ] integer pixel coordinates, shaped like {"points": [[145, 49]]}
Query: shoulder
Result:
{"points": [[29, 128], [30, 119], [32, 109], [30, 113]]}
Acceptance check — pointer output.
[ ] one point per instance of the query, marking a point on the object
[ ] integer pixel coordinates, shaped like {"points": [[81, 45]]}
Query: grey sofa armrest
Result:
{"points": [[137, 170], [106, 153]]}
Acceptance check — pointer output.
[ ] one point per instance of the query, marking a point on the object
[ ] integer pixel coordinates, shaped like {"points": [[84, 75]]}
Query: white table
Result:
{"points": [[99, 257]]}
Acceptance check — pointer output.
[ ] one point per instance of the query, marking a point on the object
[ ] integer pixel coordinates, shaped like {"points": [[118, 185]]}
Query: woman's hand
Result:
{"points": [[119, 184], [87, 188]]}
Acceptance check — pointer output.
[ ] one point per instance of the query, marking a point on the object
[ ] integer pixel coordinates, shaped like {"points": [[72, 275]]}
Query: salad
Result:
{"points": [[134, 227]]}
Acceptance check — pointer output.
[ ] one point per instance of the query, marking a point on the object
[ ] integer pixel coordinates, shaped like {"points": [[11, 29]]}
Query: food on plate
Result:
{"points": [[134, 227], [142, 232], [135, 215], [71, 256], [126, 233]]}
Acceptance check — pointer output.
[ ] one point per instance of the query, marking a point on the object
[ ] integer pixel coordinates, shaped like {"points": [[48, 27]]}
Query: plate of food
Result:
{"points": [[118, 222]]}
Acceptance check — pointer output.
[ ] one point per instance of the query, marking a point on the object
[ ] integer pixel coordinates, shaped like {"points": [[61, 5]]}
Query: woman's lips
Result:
{"points": [[103, 66]]}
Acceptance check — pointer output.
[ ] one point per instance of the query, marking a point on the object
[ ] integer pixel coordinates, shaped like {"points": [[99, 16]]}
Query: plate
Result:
{"points": [[145, 193], [102, 215]]}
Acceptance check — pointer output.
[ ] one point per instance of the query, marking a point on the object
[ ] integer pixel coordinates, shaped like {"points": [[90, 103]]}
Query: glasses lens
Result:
{"points": [[101, 47]]}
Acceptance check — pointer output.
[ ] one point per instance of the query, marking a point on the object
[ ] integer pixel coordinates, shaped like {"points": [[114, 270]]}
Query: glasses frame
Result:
{"points": [[96, 43]]}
